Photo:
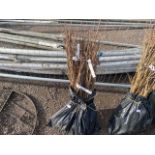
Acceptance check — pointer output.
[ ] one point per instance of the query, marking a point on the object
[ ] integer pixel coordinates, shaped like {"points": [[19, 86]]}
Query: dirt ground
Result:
{"points": [[49, 99]]}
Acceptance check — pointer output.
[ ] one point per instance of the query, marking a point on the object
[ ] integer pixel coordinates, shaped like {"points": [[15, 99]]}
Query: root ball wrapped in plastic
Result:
{"points": [[79, 115], [135, 112], [133, 115]]}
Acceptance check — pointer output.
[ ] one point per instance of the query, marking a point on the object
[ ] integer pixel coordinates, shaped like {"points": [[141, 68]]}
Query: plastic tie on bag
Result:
{"points": [[152, 67], [83, 106], [83, 89], [91, 68], [68, 106]]}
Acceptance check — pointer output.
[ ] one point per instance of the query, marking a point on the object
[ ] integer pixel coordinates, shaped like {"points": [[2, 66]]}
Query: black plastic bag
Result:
{"points": [[133, 115], [77, 117]]}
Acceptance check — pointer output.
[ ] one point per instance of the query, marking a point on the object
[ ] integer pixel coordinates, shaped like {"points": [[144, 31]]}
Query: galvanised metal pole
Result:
{"points": [[51, 53], [40, 79], [29, 41]]}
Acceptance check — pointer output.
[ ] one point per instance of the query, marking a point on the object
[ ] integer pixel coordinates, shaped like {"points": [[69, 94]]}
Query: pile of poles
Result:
{"points": [[50, 62], [45, 54]]}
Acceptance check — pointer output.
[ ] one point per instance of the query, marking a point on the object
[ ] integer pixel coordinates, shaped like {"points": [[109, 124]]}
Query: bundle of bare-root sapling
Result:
{"points": [[79, 115], [135, 112]]}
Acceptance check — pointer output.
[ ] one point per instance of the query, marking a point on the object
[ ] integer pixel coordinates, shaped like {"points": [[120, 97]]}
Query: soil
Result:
{"points": [[49, 99]]}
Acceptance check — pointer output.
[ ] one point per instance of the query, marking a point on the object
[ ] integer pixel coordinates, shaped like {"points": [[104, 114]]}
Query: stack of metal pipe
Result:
{"points": [[54, 62], [43, 53], [47, 55]]}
